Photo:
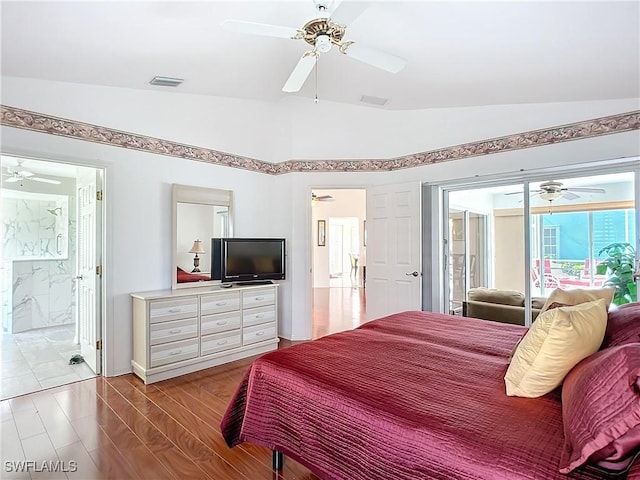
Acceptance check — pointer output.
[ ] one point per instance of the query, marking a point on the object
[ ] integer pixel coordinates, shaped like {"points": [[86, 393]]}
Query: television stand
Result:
{"points": [[254, 282]]}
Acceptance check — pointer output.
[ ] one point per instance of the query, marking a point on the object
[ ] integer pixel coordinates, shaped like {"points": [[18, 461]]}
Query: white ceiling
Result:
{"points": [[459, 53]]}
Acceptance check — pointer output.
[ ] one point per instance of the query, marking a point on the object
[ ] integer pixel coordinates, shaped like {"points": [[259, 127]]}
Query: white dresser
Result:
{"points": [[182, 331]]}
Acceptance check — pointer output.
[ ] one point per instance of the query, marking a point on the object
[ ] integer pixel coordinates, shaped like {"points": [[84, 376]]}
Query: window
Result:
{"points": [[550, 242]]}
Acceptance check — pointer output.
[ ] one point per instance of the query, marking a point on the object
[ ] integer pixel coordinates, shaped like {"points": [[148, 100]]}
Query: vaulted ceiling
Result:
{"points": [[458, 53]]}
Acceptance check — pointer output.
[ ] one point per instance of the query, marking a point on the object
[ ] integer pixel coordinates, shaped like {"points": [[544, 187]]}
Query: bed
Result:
{"points": [[183, 276], [407, 396]]}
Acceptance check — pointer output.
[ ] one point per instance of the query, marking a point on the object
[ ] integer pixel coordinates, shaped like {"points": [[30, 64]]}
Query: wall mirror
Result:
{"points": [[199, 214]]}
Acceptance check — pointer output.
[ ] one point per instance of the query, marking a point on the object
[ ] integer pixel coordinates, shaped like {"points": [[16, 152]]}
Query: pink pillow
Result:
{"points": [[601, 410], [623, 325]]}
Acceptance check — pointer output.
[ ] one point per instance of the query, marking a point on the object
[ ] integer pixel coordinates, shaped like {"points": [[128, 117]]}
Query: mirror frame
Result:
{"points": [[200, 196]]}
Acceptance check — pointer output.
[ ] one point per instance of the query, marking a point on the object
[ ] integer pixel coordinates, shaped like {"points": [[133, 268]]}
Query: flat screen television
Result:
{"points": [[252, 259]]}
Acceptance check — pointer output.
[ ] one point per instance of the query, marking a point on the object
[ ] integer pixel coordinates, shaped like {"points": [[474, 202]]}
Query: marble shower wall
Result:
{"points": [[39, 251]]}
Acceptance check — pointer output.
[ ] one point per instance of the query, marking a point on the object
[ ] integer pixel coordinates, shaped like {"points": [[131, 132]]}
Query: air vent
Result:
{"points": [[373, 100], [166, 81]]}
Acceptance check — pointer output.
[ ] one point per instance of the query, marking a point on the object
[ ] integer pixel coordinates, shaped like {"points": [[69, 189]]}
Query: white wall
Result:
{"points": [[138, 185], [365, 133], [241, 127]]}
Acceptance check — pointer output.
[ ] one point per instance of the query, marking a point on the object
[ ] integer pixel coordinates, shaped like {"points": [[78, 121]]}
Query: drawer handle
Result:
{"points": [[220, 304], [176, 352], [257, 299], [221, 322], [222, 342], [260, 333], [260, 315], [175, 310], [175, 331]]}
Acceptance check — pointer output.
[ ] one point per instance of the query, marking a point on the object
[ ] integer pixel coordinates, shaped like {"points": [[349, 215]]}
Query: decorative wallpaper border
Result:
{"points": [[39, 122]]}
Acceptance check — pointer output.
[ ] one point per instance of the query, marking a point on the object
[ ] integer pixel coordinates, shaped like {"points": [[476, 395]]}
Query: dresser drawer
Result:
{"points": [[259, 333], [219, 342], [226, 302], [256, 316], [174, 352], [220, 322], [257, 299], [174, 309], [163, 332]]}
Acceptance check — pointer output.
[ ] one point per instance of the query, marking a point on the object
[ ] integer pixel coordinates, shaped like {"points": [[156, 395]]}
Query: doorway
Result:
{"points": [[339, 259], [46, 314]]}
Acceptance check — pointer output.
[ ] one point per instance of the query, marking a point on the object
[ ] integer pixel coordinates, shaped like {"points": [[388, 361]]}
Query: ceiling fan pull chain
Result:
{"points": [[315, 100]]}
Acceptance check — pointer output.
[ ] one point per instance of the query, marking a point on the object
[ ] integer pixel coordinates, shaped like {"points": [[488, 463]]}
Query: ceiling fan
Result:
{"points": [[553, 190], [19, 174], [321, 33]]}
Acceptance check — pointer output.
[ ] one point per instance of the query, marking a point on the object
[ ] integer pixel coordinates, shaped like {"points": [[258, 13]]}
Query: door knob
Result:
{"points": [[412, 274]]}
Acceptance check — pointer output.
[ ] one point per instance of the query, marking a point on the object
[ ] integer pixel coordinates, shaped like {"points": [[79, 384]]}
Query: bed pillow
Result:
{"points": [[601, 410], [576, 296], [554, 344], [623, 325]]}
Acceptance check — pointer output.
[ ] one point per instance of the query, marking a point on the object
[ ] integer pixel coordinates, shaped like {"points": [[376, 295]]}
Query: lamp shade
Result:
{"points": [[197, 247]]}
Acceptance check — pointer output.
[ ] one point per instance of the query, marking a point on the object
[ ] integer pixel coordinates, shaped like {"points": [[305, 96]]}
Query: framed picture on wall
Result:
{"points": [[322, 233]]}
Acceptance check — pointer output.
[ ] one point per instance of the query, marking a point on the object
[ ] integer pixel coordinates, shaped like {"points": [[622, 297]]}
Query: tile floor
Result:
{"points": [[39, 359]]}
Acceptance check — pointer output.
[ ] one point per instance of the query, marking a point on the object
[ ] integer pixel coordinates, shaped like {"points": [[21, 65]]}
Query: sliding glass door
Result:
{"points": [[556, 235], [472, 246]]}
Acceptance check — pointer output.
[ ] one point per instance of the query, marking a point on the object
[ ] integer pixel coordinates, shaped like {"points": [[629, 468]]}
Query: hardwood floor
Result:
{"points": [[119, 428], [337, 309]]}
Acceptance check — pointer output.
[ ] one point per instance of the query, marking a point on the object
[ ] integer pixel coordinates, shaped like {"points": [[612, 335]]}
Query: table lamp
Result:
{"points": [[196, 248]]}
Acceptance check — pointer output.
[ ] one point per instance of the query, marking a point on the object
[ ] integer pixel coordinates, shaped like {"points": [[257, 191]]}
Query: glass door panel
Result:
{"points": [[469, 244], [485, 245], [457, 261], [574, 223]]}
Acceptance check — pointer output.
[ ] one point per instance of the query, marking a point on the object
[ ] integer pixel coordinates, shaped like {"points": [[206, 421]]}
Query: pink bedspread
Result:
{"points": [[415, 395]]}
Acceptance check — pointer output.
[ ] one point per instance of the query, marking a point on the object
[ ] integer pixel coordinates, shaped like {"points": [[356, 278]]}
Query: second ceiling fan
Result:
{"points": [[321, 33], [553, 190], [20, 174]]}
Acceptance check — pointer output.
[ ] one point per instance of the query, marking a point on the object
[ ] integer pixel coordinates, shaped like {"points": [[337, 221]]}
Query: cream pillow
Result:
{"points": [[554, 344], [576, 296]]}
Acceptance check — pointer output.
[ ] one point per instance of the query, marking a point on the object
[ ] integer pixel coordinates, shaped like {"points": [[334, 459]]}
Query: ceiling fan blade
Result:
{"points": [[44, 180], [300, 72], [586, 189], [569, 196], [533, 192], [346, 12], [25, 173], [12, 180], [325, 198], [377, 58], [264, 29]]}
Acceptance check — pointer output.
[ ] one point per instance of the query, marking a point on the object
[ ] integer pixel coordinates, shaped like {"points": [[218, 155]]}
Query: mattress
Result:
{"points": [[415, 395]]}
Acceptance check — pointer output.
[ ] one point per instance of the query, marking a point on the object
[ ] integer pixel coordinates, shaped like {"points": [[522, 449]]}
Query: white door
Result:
{"points": [[88, 282], [394, 277]]}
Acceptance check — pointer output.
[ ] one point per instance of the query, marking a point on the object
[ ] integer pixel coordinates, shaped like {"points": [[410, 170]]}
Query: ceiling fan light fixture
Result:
{"points": [[323, 43], [550, 196]]}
